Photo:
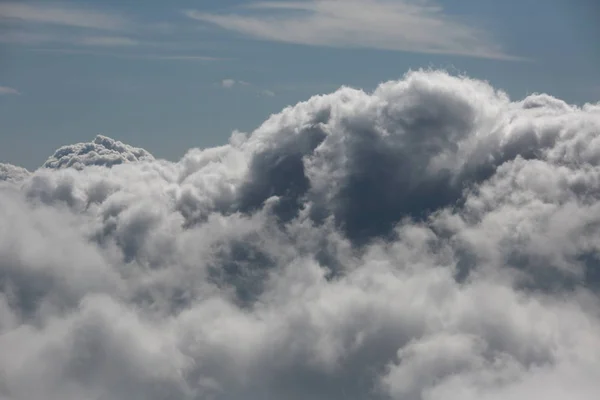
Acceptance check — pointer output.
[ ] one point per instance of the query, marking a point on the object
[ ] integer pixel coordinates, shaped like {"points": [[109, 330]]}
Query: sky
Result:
{"points": [[168, 76]]}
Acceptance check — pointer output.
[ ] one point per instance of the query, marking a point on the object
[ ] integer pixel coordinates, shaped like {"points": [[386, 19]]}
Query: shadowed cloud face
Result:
{"points": [[430, 240]]}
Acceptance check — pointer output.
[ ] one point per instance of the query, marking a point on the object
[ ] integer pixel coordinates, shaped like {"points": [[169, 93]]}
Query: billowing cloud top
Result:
{"points": [[12, 173], [430, 240], [103, 151]]}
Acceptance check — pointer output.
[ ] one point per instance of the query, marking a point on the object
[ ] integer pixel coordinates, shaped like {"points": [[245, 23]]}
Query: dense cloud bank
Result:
{"points": [[430, 240]]}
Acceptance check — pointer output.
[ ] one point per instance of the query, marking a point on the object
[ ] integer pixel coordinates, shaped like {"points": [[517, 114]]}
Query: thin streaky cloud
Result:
{"points": [[182, 58], [402, 25], [5, 90], [108, 41], [61, 15], [26, 38], [174, 57]]}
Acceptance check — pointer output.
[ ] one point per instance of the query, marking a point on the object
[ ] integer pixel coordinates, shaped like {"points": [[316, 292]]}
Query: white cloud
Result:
{"points": [[48, 20], [227, 83], [405, 25], [51, 38], [102, 151], [26, 38], [12, 173], [107, 41], [61, 15], [179, 57], [429, 240], [5, 90], [230, 83], [129, 55]]}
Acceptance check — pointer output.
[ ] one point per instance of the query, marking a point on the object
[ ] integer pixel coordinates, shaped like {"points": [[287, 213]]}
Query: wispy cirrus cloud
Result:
{"points": [[43, 23], [5, 90], [133, 56], [66, 28], [108, 41], [25, 38], [62, 15], [404, 25]]}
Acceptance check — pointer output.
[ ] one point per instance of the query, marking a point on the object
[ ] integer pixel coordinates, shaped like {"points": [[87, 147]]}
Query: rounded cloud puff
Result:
{"points": [[12, 173], [430, 240], [102, 151]]}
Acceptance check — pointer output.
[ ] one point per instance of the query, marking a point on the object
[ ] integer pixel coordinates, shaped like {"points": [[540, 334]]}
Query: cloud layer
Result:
{"points": [[405, 25], [430, 240]]}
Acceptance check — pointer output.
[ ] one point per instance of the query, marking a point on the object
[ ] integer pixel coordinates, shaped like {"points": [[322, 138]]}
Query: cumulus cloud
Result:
{"points": [[12, 173], [102, 151], [430, 240]]}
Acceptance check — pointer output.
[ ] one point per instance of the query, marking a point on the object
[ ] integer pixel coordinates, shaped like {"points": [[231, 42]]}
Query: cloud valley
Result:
{"points": [[430, 240]]}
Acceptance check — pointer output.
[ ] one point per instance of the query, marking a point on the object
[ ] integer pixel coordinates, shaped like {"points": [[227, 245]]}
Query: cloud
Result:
{"points": [[107, 41], [415, 26], [227, 83], [12, 173], [61, 15], [132, 56], [102, 151], [26, 38], [230, 83], [64, 28], [5, 90], [178, 57], [432, 239], [49, 20]]}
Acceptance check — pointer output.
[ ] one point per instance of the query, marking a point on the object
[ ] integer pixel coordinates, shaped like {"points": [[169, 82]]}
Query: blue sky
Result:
{"points": [[168, 76]]}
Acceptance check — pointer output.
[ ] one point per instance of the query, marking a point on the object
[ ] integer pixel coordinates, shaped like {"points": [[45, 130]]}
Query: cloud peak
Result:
{"points": [[102, 151]]}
